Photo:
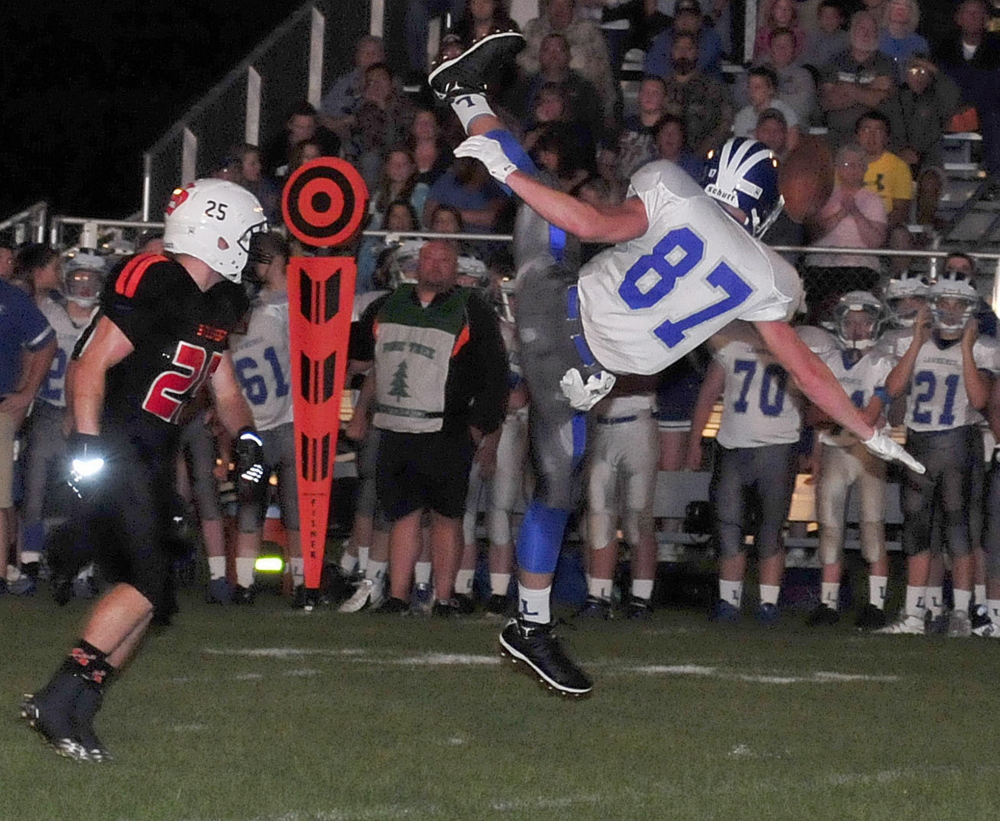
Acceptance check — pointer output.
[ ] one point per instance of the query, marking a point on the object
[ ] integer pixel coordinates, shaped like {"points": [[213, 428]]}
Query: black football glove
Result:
{"points": [[87, 463], [248, 457]]}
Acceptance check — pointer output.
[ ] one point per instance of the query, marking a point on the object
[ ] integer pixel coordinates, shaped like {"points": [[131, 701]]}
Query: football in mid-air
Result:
{"points": [[806, 177]]}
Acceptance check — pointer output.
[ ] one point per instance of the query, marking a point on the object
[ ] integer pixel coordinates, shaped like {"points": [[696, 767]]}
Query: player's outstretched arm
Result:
{"points": [[614, 224]]}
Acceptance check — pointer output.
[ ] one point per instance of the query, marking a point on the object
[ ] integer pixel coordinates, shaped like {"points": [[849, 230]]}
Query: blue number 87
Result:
{"points": [[671, 333]]}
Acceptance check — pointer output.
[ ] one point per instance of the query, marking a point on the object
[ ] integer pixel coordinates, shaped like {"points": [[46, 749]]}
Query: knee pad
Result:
{"points": [[250, 518], [498, 526], [831, 544], [541, 538], [602, 528], [637, 524], [872, 541]]}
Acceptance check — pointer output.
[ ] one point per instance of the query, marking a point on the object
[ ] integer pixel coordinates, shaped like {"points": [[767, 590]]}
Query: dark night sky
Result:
{"points": [[86, 87]]}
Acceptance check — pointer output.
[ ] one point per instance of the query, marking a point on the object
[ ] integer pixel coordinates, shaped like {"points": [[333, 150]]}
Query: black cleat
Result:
{"points": [[392, 607], [299, 597], [638, 609], [595, 608], [468, 72], [979, 615], [52, 722], [466, 604], [446, 609], [498, 605], [244, 595], [84, 709], [823, 616], [537, 646], [871, 618]]}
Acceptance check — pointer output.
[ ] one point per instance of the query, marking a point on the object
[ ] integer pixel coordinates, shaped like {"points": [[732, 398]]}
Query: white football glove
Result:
{"points": [[885, 448], [490, 153], [583, 396]]}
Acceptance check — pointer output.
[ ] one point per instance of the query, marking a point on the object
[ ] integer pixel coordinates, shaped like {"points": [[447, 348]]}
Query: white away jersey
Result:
{"points": [[263, 361], [859, 380], [937, 399], [761, 405], [53, 389], [647, 302]]}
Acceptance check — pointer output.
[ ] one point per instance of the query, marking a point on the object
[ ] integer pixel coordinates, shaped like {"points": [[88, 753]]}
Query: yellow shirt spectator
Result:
{"points": [[890, 178]]}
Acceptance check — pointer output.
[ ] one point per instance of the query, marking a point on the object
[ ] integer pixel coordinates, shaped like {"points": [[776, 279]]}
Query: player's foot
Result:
{"points": [[85, 588], [979, 615], [88, 702], [724, 612], [537, 647], [50, 718], [959, 625], [220, 591], [498, 605], [25, 586], [936, 625], [466, 604], [62, 590], [3, 587], [990, 630], [365, 596], [422, 600], [446, 609], [299, 597], [244, 595], [823, 616], [638, 609], [871, 618], [903, 626], [767, 614], [393, 607], [595, 608], [469, 72]]}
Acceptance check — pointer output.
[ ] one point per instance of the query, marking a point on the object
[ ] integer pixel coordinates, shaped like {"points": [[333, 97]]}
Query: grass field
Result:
{"points": [[267, 714]]}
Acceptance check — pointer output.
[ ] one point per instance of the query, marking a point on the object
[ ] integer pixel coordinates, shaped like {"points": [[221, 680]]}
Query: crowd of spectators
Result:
{"points": [[874, 79]]}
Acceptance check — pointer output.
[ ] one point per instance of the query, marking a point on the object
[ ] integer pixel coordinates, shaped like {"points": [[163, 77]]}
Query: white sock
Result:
{"points": [[830, 594], [535, 604], [600, 588], [915, 601], [363, 558], [348, 562], [962, 599], [298, 567], [499, 583], [216, 567], [463, 582], [244, 571], [980, 593], [13, 574], [375, 572], [934, 601], [769, 593], [422, 573], [30, 557], [468, 107], [731, 592], [642, 589], [993, 605], [876, 590]]}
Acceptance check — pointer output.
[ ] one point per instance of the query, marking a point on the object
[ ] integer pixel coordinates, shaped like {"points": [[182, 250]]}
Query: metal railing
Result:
{"points": [[26, 226]]}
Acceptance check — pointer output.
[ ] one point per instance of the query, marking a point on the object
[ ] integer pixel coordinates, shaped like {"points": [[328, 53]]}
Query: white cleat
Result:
{"points": [[990, 630], [366, 596], [903, 626]]}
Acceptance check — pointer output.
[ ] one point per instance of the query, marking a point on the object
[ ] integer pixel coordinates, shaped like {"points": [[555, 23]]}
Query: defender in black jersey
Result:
{"points": [[160, 335]]}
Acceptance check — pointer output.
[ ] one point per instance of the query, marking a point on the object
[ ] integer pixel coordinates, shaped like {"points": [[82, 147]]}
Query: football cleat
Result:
{"points": [[365, 596], [638, 609], [903, 626], [990, 630], [422, 600], [871, 618], [466, 604], [220, 591], [244, 595], [85, 588], [52, 722], [959, 625], [767, 614], [979, 615], [87, 703], [299, 597], [936, 625], [595, 608], [468, 72], [446, 609], [25, 586], [724, 612], [498, 605], [823, 616], [538, 648], [392, 607]]}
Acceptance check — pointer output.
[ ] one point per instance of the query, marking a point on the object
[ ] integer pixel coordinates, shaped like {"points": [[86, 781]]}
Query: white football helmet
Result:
{"points": [[83, 275], [858, 318], [213, 220], [952, 285], [909, 286]]}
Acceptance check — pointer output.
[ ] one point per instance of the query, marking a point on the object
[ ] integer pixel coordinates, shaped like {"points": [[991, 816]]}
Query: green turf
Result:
{"points": [[365, 722]]}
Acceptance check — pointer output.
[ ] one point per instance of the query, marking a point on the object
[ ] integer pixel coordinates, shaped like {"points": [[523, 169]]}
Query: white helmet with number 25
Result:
{"points": [[213, 220]]}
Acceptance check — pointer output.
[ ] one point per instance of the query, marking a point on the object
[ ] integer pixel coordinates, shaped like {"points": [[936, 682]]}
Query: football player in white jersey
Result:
{"points": [[68, 312], [667, 284], [845, 463], [946, 368], [755, 468], [262, 357]]}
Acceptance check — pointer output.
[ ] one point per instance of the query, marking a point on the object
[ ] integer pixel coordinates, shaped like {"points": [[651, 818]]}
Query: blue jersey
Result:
{"points": [[22, 327]]}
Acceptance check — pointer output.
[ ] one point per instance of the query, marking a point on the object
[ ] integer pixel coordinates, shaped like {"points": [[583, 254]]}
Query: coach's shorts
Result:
{"points": [[423, 470]]}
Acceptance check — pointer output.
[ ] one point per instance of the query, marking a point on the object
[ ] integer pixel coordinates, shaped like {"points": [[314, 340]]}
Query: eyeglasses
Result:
{"points": [[918, 71]]}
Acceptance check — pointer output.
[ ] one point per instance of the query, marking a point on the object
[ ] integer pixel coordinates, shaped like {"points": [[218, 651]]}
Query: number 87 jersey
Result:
{"points": [[647, 302]]}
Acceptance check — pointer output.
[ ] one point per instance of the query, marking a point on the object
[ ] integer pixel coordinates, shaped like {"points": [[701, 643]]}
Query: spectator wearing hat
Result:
{"points": [[688, 20]]}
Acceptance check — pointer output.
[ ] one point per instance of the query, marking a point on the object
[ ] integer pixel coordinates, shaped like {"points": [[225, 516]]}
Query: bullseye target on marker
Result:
{"points": [[324, 202]]}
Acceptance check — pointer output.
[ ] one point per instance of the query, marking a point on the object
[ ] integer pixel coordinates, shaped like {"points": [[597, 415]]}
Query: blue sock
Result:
{"points": [[540, 539]]}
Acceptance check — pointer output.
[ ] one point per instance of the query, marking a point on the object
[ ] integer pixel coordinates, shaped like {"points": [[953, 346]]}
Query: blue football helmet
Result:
{"points": [[743, 173]]}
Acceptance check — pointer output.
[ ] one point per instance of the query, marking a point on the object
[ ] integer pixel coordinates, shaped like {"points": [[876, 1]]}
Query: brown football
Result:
{"points": [[806, 178]]}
